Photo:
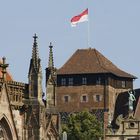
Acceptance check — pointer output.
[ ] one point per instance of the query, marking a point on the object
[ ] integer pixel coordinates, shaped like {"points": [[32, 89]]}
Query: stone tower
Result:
{"points": [[35, 106], [89, 80], [35, 73], [51, 81]]}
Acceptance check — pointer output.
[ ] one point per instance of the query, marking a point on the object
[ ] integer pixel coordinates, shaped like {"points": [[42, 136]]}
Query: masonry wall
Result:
{"points": [[112, 96], [75, 94], [18, 120], [6, 113]]}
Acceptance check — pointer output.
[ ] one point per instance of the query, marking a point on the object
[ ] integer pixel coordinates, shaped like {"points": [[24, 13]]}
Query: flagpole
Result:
{"points": [[88, 27], [88, 31]]}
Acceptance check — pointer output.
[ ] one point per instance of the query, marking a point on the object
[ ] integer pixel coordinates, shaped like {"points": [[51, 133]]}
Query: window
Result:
{"points": [[123, 84], [66, 98], [98, 81], [63, 81], [84, 80], [70, 81], [97, 98], [16, 98], [131, 125], [84, 98]]}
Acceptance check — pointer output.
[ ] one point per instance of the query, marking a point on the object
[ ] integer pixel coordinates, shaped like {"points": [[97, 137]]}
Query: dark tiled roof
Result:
{"points": [[85, 61]]}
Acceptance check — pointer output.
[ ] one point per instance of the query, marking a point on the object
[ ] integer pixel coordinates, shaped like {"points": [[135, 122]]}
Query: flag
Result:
{"points": [[80, 18]]}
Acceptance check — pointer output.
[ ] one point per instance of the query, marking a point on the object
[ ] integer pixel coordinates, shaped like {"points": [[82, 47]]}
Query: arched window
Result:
{"points": [[5, 131]]}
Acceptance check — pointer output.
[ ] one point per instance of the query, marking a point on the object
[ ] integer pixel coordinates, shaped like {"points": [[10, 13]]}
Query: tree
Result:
{"points": [[83, 126]]}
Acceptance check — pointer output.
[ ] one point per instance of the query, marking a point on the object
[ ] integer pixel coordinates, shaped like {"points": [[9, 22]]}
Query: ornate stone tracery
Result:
{"points": [[5, 130]]}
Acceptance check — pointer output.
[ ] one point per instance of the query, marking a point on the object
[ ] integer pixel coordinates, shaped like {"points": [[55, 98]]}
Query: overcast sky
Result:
{"points": [[114, 31]]}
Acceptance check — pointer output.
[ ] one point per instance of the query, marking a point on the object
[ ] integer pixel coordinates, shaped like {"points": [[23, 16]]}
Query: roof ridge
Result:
{"points": [[87, 49], [99, 60], [102, 65], [69, 59]]}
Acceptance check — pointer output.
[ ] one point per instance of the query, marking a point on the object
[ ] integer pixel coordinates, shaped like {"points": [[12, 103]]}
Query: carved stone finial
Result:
{"points": [[35, 37], [4, 66], [50, 45]]}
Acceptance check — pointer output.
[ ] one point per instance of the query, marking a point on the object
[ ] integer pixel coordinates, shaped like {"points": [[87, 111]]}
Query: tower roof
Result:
{"points": [[8, 75], [51, 62], [35, 60], [35, 56], [87, 61]]}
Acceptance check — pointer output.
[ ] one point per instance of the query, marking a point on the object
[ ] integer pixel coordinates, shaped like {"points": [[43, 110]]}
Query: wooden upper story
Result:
{"points": [[94, 79]]}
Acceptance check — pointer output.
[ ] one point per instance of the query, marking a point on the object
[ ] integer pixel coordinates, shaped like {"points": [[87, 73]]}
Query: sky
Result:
{"points": [[114, 29]]}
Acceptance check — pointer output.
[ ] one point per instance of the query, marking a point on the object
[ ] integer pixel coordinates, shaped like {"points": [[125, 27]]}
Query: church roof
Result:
{"points": [[8, 75], [87, 61]]}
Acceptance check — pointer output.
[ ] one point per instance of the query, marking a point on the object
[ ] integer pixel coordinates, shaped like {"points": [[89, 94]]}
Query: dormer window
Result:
{"points": [[84, 81], [63, 81], [70, 81]]}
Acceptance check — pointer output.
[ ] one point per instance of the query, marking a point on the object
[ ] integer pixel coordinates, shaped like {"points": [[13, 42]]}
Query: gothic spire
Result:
{"points": [[35, 56], [51, 63], [35, 73]]}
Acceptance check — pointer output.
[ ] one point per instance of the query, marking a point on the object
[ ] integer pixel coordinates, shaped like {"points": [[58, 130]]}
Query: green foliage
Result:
{"points": [[83, 126]]}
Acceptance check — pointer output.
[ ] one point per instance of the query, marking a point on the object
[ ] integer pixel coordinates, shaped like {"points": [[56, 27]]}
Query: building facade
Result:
{"points": [[89, 80], [23, 112]]}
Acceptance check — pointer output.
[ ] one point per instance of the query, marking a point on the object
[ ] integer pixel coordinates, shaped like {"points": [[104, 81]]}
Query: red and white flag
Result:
{"points": [[79, 18]]}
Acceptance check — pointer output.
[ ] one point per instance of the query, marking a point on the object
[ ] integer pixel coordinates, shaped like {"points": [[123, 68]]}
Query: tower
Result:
{"points": [[35, 73], [35, 107], [51, 81], [89, 80]]}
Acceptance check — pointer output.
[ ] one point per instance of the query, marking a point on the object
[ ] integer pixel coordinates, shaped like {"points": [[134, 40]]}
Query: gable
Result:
{"points": [[5, 110]]}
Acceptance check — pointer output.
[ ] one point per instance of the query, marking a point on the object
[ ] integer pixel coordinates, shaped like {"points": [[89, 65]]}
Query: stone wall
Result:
{"points": [[75, 94]]}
